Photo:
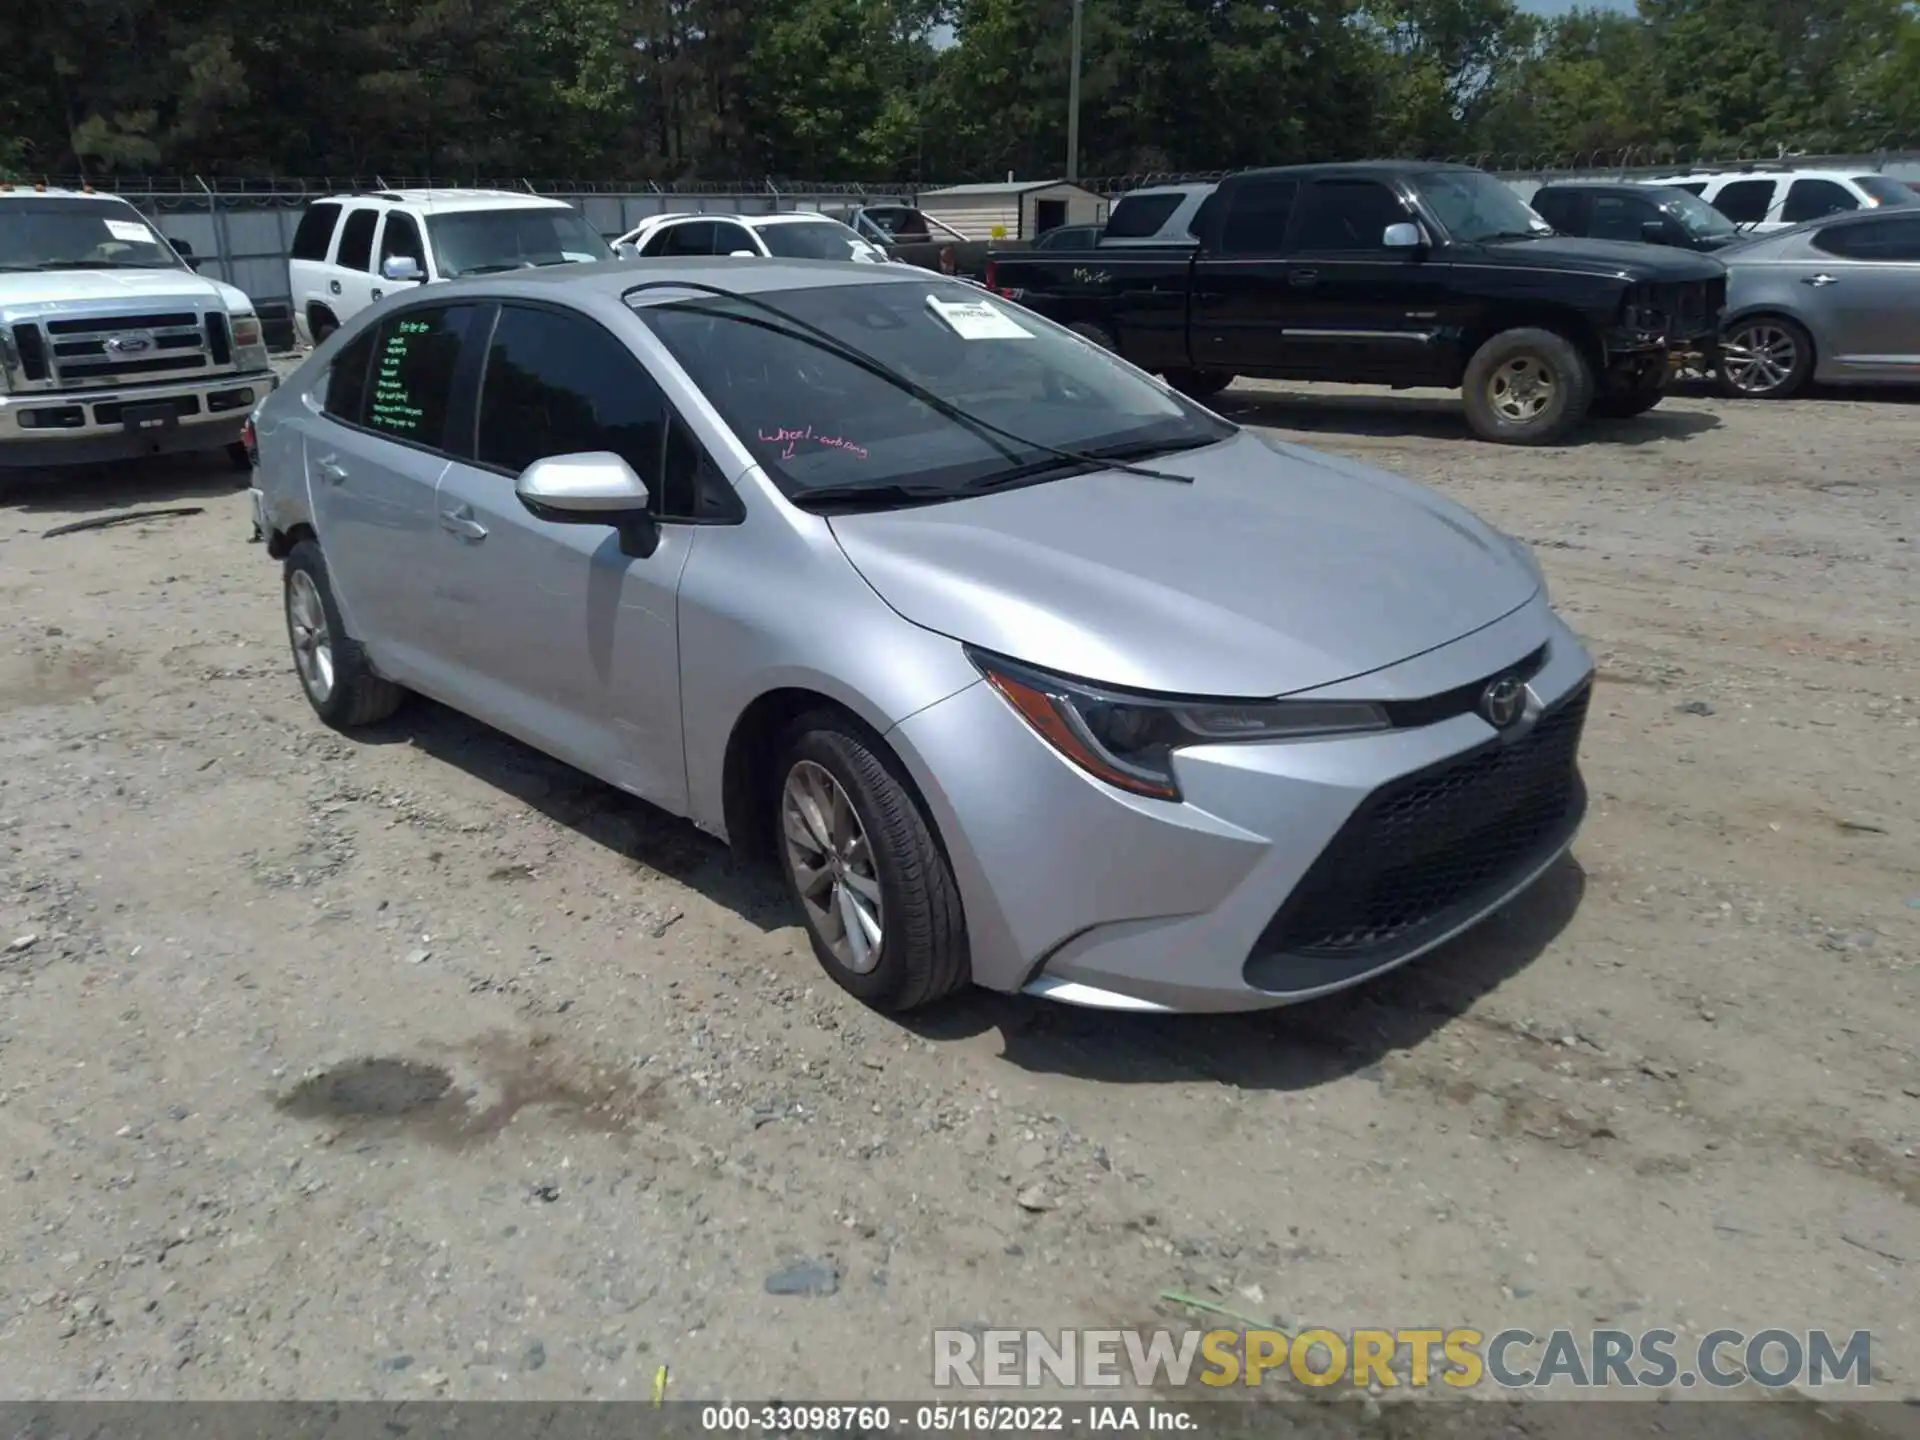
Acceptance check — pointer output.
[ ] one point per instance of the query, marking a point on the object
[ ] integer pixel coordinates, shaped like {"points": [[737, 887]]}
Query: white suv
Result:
{"points": [[352, 249], [1763, 200]]}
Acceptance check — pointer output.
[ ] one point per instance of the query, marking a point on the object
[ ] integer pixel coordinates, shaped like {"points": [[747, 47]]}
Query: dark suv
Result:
{"points": [[1619, 210]]}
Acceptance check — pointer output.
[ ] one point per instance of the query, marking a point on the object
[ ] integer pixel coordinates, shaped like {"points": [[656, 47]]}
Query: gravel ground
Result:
{"points": [[417, 1064]]}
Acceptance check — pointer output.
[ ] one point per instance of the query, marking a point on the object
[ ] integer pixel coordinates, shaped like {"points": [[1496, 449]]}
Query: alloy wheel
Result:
{"points": [[312, 639], [1521, 389], [832, 864], [1758, 359]]}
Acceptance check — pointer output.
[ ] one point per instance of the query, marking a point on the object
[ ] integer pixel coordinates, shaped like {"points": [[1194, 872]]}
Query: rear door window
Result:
{"points": [[356, 239], [346, 397], [314, 237], [1257, 215], [1138, 216], [1560, 209], [410, 388], [1745, 202], [1811, 199]]}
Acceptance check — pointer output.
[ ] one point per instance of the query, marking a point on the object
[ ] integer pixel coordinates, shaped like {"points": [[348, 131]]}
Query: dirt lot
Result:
{"points": [[1679, 1084]]}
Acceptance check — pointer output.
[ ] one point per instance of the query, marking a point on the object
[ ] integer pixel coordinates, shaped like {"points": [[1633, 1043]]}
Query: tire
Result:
{"points": [[1773, 358], [1198, 384], [921, 955], [321, 324], [1099, 335], [1505, 378], [238, 458], [334, 673]]}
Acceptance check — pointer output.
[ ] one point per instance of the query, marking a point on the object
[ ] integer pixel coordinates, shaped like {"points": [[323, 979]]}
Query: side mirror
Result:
{"points": [[626, 250], [1405, 236], [593, 488], [1654, 232], [401, 268], [181, 248]]}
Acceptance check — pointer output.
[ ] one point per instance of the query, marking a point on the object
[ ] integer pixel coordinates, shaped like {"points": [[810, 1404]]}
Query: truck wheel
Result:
{"points": [[1764, 357], [1527, 387], [339, 683], [238, 458], [321, 324], [1198, 384], [1099, 336]]}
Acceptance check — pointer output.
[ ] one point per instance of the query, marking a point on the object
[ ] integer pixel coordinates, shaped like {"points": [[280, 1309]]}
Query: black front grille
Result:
{"points": [[110, 324], [1433, 846], [32, 346], [219, 337]]}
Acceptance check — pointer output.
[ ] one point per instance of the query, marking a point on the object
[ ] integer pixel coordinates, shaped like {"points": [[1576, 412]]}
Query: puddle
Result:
{"points": [[505, 1081]]}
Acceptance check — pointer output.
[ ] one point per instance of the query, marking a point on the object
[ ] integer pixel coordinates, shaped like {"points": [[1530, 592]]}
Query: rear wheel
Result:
{"points": [[339, 683], [1099, 335], [1527, 387], [860, 860], [1764, 357], [1198, 384], [322, 324]]}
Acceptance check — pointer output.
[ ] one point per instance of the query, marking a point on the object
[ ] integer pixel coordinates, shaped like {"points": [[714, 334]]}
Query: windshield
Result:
{"points": [[816, 240], [1695, 215], [480, 242], [1472, 206], [814, 419], [1887, 190], [61, 234]]}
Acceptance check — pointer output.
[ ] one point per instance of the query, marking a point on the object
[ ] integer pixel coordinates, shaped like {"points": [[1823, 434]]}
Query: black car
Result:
{"points": [[1390, 272], [1620, 210]]}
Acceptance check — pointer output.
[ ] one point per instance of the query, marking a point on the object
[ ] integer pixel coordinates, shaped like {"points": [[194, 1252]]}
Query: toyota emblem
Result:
{"points": [[1502, 702], [128, 344]]}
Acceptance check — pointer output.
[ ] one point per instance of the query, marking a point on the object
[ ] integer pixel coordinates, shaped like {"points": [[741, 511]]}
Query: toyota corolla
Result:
{"points": [[1026, 671]]}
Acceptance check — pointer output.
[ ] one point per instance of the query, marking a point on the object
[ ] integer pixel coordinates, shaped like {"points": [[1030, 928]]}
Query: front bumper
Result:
{"points": [[80, 427], [1289, 871]]}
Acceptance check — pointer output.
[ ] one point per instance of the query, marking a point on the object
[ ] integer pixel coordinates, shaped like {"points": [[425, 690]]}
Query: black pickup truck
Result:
{"points": [[1390, 273]]}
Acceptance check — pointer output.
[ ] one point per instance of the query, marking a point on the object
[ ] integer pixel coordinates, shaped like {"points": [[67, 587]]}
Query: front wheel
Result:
{"points": [[1767, 357], [872, 885], [1527, 387]]}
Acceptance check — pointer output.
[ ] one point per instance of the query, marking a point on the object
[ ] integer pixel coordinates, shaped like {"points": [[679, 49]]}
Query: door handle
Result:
{"points": [[1818, 280], [460, 521], [331, 468], [1303, 277]]}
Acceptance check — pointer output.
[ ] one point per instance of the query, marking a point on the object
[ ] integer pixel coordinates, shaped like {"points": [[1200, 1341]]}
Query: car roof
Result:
{"points": [[14, 189], [1371, 169], [445, 202], [1197, 188], [616, 280], [1694, 177], [1634, 185]]}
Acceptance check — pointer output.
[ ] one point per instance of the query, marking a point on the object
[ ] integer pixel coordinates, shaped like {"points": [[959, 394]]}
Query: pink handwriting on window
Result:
{"points": [[790, 439]]}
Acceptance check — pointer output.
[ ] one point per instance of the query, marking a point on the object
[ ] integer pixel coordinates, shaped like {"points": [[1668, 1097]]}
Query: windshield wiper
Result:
{"points": [[498, 269], [796, 328], [1103, 457], [1515, 235], [882, 495]]}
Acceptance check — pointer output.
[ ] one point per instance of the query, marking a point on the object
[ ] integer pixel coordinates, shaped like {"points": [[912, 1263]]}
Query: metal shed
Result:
{"points": [[1024, 210]]}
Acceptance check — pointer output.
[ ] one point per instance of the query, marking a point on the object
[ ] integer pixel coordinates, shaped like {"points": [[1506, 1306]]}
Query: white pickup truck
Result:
{"points": [[110, 345]]}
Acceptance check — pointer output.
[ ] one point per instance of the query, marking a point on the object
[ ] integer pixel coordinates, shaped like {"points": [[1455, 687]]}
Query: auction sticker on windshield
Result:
{"points": [[129, 230], [977, 320]]}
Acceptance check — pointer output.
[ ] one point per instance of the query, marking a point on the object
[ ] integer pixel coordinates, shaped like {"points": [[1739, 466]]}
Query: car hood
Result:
{"points": [[24, 295], [1277, 570], [1606, 257]]}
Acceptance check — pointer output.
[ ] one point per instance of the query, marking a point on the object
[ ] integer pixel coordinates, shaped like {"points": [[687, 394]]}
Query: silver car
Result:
{"points": [[1835, 300], [1024, 669]]}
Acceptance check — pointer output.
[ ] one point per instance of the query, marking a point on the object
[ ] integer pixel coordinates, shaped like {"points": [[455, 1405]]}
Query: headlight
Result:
{"points": [[247, 332], [1129, 740]]}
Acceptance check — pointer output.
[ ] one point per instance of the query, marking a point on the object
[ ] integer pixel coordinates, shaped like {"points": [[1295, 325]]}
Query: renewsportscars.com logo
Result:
{"points": [[1416, 1358]]}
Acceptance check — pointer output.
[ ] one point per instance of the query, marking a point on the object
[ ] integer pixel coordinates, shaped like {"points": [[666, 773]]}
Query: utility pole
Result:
{"points": [[1073, 101]]}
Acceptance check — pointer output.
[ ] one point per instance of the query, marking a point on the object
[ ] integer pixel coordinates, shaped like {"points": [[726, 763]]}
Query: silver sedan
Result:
{"points": [[1025, 670], [1835, 300]]}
